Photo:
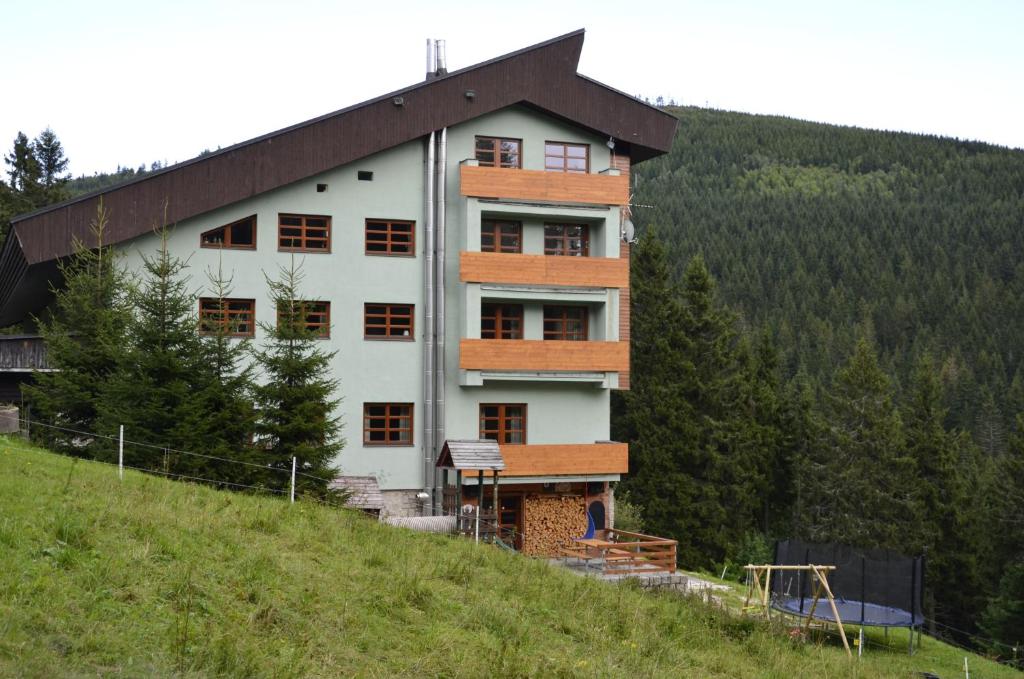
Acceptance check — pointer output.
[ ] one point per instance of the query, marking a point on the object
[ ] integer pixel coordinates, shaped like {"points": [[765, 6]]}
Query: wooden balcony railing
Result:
{"points": [[22, 353], [561, 187], [543, 355], [583, 272], [564, 459], [619, 552]]}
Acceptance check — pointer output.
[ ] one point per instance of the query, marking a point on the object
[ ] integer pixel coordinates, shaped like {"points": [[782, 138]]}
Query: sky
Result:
{"points": [[129, 83]]}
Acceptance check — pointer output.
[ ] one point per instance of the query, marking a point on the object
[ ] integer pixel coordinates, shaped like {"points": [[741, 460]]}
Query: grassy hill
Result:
{"points": [[148, 577]]}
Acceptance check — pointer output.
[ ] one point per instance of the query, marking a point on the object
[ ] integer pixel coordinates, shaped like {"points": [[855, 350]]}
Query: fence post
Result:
{"points": [[293, 479], [476, 531], [120, 453]]}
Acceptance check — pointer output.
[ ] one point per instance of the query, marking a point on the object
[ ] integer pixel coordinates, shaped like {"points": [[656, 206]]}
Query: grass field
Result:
{"points": [[149, 577]]}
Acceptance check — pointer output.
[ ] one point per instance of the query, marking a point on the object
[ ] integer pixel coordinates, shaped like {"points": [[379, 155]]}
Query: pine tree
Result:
{"points": [[1003, 619], [296, 397], [859, 485], [85, 340], [153, 392], [49, 156]]}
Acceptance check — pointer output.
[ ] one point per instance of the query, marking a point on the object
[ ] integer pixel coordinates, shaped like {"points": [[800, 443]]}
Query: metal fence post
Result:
{"points": [[293, 479], [120, 453]]}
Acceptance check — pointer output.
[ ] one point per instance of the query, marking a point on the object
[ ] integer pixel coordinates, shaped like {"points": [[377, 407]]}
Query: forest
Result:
{"points": [[825, 346]]}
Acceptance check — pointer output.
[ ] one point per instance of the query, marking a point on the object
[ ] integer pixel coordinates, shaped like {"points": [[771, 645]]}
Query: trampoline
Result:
{"points": [[872, 588]]}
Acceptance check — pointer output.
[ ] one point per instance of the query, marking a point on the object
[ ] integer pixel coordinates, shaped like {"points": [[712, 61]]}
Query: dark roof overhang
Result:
{"points": [[542, 76]]}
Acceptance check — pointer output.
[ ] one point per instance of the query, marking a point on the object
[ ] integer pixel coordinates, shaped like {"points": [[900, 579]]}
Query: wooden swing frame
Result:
{"points": [[819, 579]]}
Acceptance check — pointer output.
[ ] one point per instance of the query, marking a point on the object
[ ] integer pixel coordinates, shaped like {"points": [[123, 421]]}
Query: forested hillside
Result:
{"points": [[820, 232]]}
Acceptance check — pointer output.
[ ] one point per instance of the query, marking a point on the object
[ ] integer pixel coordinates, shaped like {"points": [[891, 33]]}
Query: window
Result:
{"points": [[240, 235], [387, 424], [501, 321], [388, 321], [570, 240], [386, 237], [499, 236], [562, 157], [364, 175], [314, 316], [304, 233], [234, 317], [504, 423], [497, 152], [565, 323]]}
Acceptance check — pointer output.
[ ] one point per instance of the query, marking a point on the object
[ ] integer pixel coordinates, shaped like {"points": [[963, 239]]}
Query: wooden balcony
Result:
{"points": [[543, 355], [538, 185], [564, 459], [582, 272]]}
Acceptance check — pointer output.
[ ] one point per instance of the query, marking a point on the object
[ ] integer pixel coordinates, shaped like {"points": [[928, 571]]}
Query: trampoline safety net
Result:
{"points": [[872, 587]]}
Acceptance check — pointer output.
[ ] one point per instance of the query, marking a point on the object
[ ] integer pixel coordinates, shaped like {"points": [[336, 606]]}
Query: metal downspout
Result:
{"points": [[429, 452], [439, 311]]}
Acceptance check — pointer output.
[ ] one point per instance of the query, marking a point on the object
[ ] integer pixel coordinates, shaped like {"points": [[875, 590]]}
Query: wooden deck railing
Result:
{"points": [[22, 353], [619, 552]]}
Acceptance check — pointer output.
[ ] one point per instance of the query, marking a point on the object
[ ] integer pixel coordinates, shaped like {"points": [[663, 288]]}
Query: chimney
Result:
{"points": [[436, 65]]}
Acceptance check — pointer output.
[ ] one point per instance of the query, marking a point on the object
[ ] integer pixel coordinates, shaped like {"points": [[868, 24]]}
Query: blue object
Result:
{"points": [[591, 528]]}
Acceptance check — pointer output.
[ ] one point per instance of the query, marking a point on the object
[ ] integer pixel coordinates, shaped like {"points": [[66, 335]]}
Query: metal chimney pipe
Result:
{"points": [[431, 59], [440, 60]]}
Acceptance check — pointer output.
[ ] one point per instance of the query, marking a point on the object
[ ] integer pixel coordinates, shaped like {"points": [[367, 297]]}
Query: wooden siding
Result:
{"points": [[502, 267], [543, 355], [23, 353], [564, 459], [540, 185], [624, 311]]}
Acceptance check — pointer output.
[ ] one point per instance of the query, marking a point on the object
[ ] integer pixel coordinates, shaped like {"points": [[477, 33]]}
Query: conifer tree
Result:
{"points": [[153, 392], [220, 419], [52, 164], [85, 339], [860, 487], [296, 397], [946, 473]]}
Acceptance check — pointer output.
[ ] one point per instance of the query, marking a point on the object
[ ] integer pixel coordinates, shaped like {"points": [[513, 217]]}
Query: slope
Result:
{"points": [[149, 577]]}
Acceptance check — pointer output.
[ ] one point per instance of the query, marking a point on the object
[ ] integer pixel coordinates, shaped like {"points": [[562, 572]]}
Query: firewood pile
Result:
{"points": [[551, 522]]}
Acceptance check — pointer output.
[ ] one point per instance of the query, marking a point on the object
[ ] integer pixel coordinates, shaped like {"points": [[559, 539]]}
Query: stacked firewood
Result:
{"points": [[551, 522]]}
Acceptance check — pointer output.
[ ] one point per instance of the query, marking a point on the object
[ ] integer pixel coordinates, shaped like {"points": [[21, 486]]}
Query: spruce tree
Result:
{"points": [[85, 340], [153, 392], [859, 487], [52, 164], [1002, 622], [296, 395]]}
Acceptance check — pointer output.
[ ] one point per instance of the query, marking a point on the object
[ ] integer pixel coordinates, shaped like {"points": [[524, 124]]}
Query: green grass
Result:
{"points": [[148, 577]]}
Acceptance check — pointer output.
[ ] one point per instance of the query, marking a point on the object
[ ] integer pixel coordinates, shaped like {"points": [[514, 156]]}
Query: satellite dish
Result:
{"points": [[628, 231]]}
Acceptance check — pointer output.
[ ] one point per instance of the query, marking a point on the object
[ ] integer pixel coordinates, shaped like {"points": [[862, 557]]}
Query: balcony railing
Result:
{"points": [[560, 187], [496, 267], [543, 355]]}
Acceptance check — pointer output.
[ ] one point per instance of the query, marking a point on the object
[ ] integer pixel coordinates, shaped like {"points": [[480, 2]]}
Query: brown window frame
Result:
{"points": [[497, 313], [496, 229], [210, 316], [388, 325], [502, 431], [564, 157], [564, 250], [496, 150], [227, 244], [563, 319], [321, 328], [389, 243], [388, 418], [303, 237]]}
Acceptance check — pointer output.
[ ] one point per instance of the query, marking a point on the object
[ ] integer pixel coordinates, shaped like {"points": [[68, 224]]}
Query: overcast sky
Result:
{"points": [[132, 82]]}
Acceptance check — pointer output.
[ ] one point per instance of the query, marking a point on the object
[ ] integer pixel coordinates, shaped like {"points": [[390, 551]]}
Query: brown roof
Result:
{"points": [[542, 76], [471, 454]]}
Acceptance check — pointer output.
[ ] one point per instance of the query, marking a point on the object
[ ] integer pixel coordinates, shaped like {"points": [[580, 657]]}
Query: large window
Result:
{"points": [[501, 321], [498, 152], [387, 424], [390, 237], [234, 317], [501, 236], [304, 233], [388, 321], [503, 422], [563, 157], [569, 240], [565, 323], [240, 235], [315, 316]]}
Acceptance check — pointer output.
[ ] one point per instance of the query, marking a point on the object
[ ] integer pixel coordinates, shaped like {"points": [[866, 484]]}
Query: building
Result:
{"points": [[461, 240]]}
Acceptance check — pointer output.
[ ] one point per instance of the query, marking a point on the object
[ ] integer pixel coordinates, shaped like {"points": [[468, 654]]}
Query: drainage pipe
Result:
{"points": [[439, 309], [428, 326]]}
